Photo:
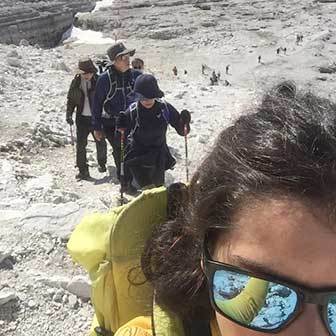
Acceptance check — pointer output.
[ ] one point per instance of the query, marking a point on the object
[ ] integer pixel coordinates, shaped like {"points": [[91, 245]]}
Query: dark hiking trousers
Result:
{"points": [[147, 175], [113, 137], [84, 128]]}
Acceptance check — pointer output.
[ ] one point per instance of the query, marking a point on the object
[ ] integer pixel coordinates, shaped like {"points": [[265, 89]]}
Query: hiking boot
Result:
{"points": [[129, 189], [83, 175], [102, 169]]}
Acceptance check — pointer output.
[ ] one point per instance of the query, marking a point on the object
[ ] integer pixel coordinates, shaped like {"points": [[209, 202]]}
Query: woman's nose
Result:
{"points": [[309, 323]]}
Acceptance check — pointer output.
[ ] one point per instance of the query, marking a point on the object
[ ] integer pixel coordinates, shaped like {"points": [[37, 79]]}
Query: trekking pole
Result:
{"points": [[186, 151], [72, 138], [72, 142], [122, 164]]}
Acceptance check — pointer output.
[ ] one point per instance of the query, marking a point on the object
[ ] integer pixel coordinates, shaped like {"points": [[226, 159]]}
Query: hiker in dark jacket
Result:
{"points": [[110, 98], [147, 155], [138, 64], [80, 98]]}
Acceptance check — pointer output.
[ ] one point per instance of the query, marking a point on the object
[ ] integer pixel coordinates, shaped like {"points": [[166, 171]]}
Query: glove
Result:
{"points": [[69, 120], [122, 121], [185, 117]]}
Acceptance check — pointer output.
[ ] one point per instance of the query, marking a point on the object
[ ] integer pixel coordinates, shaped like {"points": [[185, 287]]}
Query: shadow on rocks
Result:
{"points": [[110, 178], [7, 263], [9, 311]]}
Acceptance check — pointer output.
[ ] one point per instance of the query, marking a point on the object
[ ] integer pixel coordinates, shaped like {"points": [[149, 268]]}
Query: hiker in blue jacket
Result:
{"points": [[147, 155], [112, 89]]}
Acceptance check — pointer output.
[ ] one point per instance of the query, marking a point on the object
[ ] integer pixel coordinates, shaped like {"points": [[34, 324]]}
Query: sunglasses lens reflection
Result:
{"points": [[253, 302], [332, 314]]}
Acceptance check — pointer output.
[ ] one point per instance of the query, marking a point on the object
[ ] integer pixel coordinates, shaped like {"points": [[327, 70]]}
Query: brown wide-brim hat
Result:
{"points": [[86, 66], [119, 49]]}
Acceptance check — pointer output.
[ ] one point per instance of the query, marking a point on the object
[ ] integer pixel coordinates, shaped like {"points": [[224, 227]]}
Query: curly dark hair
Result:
{"points": [[286, 146]]}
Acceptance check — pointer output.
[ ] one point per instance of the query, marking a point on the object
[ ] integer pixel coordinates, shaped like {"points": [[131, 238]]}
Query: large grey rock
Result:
{"points": [[44, 22], [56, 281], [81, 287], [60, 66], [58, 220], [7, 295], [14, 62]]}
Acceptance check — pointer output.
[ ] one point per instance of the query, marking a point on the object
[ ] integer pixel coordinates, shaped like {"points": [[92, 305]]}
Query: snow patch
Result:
{"points": [[88, 37], [102, 4], [81, 36]]}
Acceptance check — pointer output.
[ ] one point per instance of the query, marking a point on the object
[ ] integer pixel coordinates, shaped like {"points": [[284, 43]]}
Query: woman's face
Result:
{"points": [[147, 103], [87, 76], [287, 239]]}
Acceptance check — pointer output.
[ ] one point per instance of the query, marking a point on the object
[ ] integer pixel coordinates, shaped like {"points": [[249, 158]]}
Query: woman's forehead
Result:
{"points": [[288, 236]]}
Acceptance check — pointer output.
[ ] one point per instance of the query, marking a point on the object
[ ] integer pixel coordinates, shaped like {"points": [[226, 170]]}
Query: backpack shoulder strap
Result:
{"points": [[165, 110], [134, 114], [113, 85], [133, 109]]}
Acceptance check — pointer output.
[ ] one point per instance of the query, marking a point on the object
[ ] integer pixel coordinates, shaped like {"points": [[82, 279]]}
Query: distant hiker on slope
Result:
{"points": [[214, 78], [80, 97], [146, 121], [259, 59], [113, 86], [175, 70]]}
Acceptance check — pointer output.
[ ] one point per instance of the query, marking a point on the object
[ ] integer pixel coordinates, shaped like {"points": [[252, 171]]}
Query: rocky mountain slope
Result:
{"points": [[41, 291], [194, 20], [38, 22]]}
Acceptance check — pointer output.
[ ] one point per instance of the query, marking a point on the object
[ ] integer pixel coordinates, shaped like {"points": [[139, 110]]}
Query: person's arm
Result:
{"points": [[101, 92], [124, 121], [70, 103], [177, 120]]}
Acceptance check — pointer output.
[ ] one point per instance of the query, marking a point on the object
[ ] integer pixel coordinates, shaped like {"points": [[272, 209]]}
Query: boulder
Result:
{"points": [[80, 286], [55, 219], [30, 22], [330, 69], [14, 62], [7, 295]]}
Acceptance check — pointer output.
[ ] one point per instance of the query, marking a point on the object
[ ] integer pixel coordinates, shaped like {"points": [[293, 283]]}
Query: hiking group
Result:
{"points": [[232, 252], [124, 106], [245, 249]]}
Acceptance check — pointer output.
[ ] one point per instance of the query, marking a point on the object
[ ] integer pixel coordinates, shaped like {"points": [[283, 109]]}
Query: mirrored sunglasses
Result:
{"points": [[263, 303]]}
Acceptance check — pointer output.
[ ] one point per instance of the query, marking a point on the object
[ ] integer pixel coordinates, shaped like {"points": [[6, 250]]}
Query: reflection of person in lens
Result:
{"points": [[269, 183], [246, 305]]}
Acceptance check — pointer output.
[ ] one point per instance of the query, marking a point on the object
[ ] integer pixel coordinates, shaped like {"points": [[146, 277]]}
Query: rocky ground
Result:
{"points": [[38, 21], [41, 291]]}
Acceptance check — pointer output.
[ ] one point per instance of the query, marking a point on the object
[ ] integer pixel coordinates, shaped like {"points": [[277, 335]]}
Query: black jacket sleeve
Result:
{"points": [[71, 101], [129, 122], [175, 120]]}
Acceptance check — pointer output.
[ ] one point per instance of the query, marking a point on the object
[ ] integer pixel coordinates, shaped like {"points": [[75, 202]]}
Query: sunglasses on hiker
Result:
{"points": [[260, 302]]}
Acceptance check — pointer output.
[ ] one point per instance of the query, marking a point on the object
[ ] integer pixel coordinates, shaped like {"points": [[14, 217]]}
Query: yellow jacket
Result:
{"points": [[142, 326]]}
